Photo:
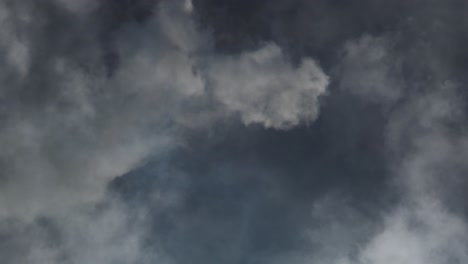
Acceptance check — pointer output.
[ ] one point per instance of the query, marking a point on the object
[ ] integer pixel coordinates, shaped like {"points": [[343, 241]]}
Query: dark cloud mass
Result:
{"points": [[280, 131]]}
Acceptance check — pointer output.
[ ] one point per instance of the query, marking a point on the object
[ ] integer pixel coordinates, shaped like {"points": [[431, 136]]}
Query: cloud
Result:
{"points": [[161, 131], [72, 123], [90, 129], [426, 233], [264, 88], [424, 144], [425, 229], [423, 226], [371, 70]]}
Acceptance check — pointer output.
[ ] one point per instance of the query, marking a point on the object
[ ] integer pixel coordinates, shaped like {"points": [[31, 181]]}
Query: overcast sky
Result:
{"points": [[233, 131]]}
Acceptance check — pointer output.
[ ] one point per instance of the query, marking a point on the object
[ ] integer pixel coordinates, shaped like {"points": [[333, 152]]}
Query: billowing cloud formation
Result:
{"points": [[423, 229], [106, 235], [77, 112], [254, 85], [189, 132], [90, 128], [401, 62]]}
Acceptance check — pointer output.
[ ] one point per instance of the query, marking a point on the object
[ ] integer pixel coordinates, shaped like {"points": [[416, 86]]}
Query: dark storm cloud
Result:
{"points": [[82, 108], [396, 80], [176, 132]]}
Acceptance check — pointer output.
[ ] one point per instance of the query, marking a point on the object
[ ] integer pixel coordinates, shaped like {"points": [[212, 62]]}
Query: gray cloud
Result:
{"points": [[265, 89], [71, 125], [404, 57], [156, 76], [189, 132], [371, 70], [424, 229]]}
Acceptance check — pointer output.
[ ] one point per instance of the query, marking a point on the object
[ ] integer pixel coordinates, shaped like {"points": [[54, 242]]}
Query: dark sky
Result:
{"points": [[222, 131]]}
